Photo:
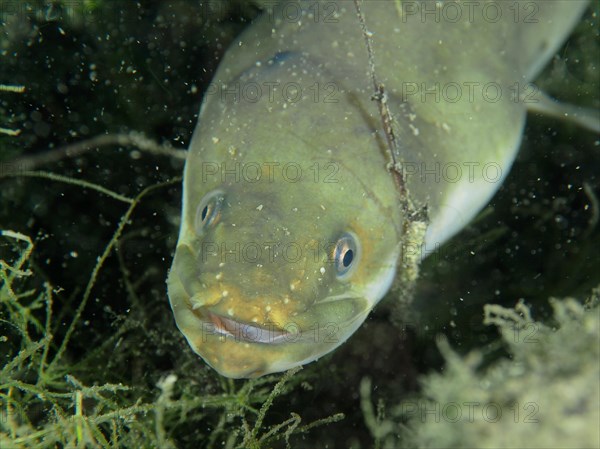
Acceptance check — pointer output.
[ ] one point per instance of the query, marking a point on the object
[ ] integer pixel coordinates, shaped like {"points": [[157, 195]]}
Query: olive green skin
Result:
{"points": [[323, 163]]}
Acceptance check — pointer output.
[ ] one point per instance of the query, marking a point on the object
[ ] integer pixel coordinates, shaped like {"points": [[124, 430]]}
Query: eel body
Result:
{"points": [[291, 229]]}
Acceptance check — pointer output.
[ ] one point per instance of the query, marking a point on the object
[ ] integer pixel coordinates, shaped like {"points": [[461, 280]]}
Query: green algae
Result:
{"points": [[45, 402], [546, 394]]}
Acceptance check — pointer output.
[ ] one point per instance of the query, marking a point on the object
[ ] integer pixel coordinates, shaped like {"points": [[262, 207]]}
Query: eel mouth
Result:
{"points": [[246, 332]]}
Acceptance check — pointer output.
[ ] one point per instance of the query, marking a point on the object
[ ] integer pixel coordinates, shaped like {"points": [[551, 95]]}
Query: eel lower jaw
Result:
{"points": [[246, 332]]}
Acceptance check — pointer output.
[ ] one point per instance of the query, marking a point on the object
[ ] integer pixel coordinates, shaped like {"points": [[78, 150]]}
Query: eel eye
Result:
{"points": [[345, 255], [208, 213]]}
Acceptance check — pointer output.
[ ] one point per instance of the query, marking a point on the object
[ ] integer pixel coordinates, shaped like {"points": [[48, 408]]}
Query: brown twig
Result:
{"points": [[384, 111], [132, 138]]}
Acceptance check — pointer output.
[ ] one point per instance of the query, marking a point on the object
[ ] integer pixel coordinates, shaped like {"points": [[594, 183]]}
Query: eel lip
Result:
{"points": [[248, 333]]}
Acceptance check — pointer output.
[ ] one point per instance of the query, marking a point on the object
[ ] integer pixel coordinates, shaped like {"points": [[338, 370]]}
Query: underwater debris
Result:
{"points": [[17, 90]]}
